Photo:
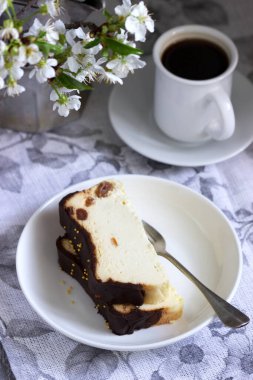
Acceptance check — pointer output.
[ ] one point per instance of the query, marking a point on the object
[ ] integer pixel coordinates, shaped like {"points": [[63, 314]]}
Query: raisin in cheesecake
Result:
{"points": [[121, 318], [109, 237]]}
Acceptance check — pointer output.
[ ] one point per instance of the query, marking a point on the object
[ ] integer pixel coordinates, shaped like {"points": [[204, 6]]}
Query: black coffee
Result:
{"points": [[195, 59]]}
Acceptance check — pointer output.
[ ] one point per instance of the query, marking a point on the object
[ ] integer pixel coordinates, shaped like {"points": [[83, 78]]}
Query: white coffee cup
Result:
{"points": [[188, 110]]}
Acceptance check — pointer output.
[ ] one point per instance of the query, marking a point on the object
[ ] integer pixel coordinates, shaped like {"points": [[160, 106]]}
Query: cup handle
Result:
{"points": [[221, 128]]}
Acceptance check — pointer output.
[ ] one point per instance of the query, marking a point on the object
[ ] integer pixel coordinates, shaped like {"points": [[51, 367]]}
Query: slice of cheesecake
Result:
{"points": [[121, 318], [121, 262]]}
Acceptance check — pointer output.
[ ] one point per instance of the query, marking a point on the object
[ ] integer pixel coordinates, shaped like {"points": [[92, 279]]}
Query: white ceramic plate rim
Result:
{"points": [[120, 347]]}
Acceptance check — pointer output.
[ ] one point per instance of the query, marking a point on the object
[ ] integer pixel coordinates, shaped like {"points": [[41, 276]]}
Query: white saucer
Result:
{"points": [[130, 110], [209, 248]]}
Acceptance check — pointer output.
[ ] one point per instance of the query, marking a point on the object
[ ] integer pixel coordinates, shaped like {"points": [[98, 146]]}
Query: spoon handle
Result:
{"points": [[227, 313]]}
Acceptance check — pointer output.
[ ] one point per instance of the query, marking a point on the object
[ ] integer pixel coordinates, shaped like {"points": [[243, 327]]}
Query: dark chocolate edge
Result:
{"points": [[110, 291], [119, 323]]}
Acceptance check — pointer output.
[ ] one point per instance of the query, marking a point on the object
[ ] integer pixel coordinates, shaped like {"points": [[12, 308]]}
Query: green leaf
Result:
{"points": [[92, 43], [46, 48], [62, 39], [71, 83], [120, 48]]}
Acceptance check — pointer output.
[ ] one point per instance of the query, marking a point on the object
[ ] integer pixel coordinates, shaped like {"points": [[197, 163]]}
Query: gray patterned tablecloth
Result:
{"points": [[35, 167]]}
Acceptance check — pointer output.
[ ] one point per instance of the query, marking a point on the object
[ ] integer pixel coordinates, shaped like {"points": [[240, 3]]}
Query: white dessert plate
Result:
{"points": [[130, 111], [197, 233]]}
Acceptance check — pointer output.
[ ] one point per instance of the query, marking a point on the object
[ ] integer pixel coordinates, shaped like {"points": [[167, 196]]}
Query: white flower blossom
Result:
{"points": [[20, 57], [13, 88], [88, 74], [2, 50], [33, 54], [73, 64], [44, 70], [53, 7], [124, 9], [48, 31], [2, 47], [109, 77], [59, 27], [79, 47], [8, 33], [13, 64], [139, 21], [80, 62], [122, 65], [65, 103], [3, 6], [85, 67], [83, 62], [2, 84], [3, 73], [137, 18], [71, 34], [123, 38], [15, 71], [63, 90]]}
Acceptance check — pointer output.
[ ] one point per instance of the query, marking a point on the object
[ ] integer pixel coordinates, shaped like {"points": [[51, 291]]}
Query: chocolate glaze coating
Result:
{"points": [[119, 323], [110, 291]]}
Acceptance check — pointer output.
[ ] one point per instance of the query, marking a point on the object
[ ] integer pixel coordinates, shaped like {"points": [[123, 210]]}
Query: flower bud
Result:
{"points": [[8, 24], [104, 29], [15, 50], [43, 9]]}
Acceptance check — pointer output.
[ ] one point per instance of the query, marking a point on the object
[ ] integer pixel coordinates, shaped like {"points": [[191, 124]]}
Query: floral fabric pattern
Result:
{"points": [[34, 167]]}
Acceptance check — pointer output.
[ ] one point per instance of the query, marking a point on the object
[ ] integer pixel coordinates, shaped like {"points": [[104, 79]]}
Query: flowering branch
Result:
{"points": [[69, 58], [29, 4]]}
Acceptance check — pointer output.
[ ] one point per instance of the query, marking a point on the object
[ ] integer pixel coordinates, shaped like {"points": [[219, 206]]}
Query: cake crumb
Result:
{"points": [[69, 290], [62, 282], [114, 242], [72, 302]]}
